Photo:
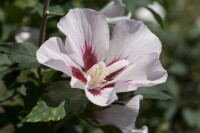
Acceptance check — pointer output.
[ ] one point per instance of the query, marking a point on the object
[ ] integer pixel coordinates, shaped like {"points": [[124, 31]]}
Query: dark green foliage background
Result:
{"points": [[20, 90]]}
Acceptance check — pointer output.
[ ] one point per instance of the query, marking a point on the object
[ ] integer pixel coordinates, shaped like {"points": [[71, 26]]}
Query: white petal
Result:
{"points": [[52, 54], [144, 129], [130, 40], [115, 11], [145, 15], [104, 98], [117, 19], [117, 66], [121, 116], [121, 86], [145, 72], [27, 34], [88, 36], [75, 83]]}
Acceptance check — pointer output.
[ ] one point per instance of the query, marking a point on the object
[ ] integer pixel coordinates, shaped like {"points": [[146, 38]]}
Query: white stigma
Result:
{"points": [[99, 73]]}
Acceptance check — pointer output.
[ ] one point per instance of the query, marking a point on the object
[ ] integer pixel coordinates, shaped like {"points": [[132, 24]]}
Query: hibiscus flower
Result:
{"points": [[100, 65], [122, 116]]}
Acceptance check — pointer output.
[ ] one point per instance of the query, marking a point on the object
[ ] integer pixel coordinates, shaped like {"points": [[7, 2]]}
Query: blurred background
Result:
{"points": [[175, 22]]}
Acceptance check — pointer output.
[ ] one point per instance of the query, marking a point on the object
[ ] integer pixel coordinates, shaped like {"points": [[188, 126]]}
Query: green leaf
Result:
{"points": [[22, 53], [7, 95], [43, 113], [179, 69], [51, 76], [38, 9], [22, 4], [75, 99], [156, 16], [22, 90], [125, 96], [157, 92], [39, 127], [1, 54], [110, 129], [56, 10], [191, 117], [133, 4]]}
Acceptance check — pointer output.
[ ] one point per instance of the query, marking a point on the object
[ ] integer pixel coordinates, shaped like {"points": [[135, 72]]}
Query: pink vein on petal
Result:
{"points": [[89, 56], [112, 75], [95, 92], [108, 86], [78, 74]]}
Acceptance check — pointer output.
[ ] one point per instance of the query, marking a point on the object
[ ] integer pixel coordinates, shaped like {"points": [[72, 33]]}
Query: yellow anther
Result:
{"points": [[99, 73]]}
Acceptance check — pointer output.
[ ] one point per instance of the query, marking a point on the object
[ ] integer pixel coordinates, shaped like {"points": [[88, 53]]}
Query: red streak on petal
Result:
{"points": [[78, 74], [89, 57], [95, 92], [108, 85], [112, 75], [113, 61]]}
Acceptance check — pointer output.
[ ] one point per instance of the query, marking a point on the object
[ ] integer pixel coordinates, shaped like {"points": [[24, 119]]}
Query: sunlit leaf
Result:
{"points": [[156, 16], [157, 92], [75, 99], [22, 53], [56, 10], [43, 113]]}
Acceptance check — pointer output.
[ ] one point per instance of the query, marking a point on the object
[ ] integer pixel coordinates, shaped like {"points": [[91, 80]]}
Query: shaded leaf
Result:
{"points": [[93, 107], [191, 117], [75, 99], [22, 90], [110, 129], [43, 113], [125, 95], [22, 53], [133, 4], [156, 16], [38, 9], [25, 3], [32, 93], [178, 68], [51, 76], [7, 95], [39, 127], [11, 10], [157, 92], [13, 113]]}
